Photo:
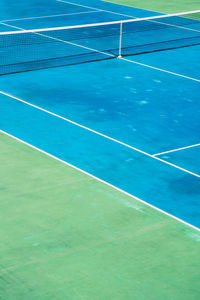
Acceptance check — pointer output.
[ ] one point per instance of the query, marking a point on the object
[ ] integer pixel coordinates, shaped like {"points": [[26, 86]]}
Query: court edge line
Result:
{"points": [[102, 181], [125, 5], [178, 149], [50, 16], [145, 9], [98, 133], [158, 69]]}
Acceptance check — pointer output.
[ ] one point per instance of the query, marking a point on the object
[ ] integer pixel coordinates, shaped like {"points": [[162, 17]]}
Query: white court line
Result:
{"points": [[102, 181], [178, 149], [51, 16], [128, 6], [100, 134], [158, 69], [99, 9]]}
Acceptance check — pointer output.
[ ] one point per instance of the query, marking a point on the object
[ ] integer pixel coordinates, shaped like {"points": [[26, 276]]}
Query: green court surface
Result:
{"points": [[65, 235], [170, 6]]}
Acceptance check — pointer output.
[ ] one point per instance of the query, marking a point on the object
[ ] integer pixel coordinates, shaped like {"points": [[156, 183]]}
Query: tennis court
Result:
{"points": [[100, 149]]}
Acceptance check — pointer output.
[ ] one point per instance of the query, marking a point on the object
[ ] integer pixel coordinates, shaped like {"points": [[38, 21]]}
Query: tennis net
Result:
{"points": [[25, 50]]}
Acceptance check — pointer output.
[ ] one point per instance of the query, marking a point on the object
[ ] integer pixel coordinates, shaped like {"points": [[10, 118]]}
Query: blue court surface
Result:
{"points": [[132, 122]]}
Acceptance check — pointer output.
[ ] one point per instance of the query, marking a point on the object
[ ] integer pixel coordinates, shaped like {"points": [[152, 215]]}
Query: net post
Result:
{"points": [[120, 41]]}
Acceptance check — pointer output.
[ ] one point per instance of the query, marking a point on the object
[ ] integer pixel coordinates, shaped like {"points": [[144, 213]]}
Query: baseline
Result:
{"points": [[178, 149]]}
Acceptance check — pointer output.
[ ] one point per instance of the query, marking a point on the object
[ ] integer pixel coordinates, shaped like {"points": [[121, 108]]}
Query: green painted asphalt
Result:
{"points": [[66, 236], [163, 6]]}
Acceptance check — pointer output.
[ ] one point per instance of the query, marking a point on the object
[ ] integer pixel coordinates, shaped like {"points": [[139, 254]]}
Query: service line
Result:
{"points": [[178, 149]]}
